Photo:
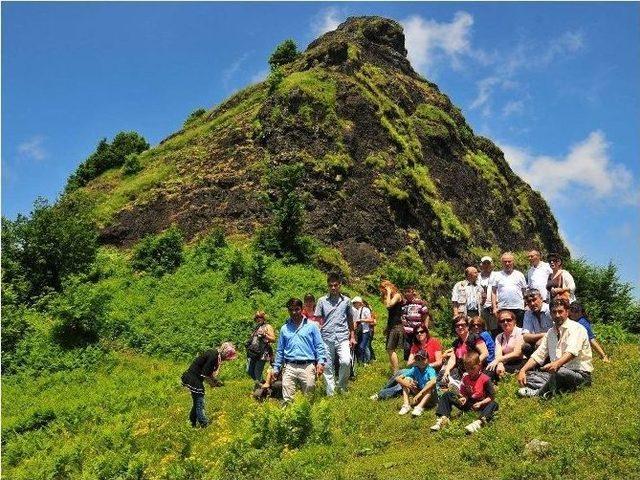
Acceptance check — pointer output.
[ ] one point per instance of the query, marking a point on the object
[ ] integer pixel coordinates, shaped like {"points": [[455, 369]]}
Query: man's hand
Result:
{"points": [[522, 378], [319, 369], [551, 367], [352, 340], [462, 400], [477, 406]]}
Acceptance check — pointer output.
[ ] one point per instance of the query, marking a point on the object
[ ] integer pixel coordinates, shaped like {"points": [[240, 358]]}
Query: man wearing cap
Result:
{"points": [[537, 321], [419, 380], [363, 322], [508, 288], [300, 351], [538, 274], [338, 333], [569, 365], [467, 294], [486, 278]]}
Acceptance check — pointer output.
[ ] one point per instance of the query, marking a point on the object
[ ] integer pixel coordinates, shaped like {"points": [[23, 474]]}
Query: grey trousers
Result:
{"points": [[564, 380]]}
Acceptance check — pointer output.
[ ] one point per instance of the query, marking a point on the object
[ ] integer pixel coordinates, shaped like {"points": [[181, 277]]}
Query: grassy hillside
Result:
{"points": [[114, 408], [128, 419]]}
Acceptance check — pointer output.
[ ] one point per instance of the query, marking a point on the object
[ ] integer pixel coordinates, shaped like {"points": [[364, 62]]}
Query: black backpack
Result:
{"points": [[256, 346]]}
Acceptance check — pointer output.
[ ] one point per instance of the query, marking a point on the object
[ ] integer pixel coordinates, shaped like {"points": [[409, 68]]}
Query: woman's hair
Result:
{"points": [[511, 314], [576, 307], [227, 351], [260, 314], [294, 302], [309, 297], [386, 283], [457, 318], [415, 333], [481, 321], [554, 256]]}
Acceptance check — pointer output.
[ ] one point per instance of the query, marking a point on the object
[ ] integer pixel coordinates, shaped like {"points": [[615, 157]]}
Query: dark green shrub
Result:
{"points": [[274, 79], [284, 53], [291, 426], [159, 254], [258, 278], [605, 297], [106, 156], [40, 251], [193, 116], [131, 164], [237, 267], [211, 248]]}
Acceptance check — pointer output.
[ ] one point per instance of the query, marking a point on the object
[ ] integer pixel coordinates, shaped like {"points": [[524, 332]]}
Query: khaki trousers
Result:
{"points": [[304, 375]]}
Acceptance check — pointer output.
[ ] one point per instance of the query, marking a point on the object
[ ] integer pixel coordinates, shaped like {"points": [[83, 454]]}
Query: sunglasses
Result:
{"points": [[475, 325], [421, 331], [461, 325], [505, 321]]}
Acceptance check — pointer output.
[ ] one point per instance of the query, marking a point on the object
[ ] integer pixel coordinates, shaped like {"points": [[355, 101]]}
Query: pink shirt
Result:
{"points": [[509, 343]]}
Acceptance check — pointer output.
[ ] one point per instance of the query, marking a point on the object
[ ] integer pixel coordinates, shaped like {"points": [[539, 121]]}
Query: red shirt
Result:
{"points": [[477, 389], [431, 346]]}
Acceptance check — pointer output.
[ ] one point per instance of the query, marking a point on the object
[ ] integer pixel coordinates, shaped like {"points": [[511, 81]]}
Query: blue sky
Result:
{"points": [[555, 85]]}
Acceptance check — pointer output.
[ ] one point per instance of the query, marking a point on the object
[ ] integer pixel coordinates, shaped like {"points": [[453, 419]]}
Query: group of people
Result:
{"points": [[504, 322]]}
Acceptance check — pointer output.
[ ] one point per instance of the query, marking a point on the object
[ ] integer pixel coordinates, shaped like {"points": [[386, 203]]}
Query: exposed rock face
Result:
{"points": [[390, 162]]}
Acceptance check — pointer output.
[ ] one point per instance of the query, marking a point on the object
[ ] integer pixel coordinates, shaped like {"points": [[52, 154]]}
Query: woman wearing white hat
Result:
{"points": [[364, 321]]}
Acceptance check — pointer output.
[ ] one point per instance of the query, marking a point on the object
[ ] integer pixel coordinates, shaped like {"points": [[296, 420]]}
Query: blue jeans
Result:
{"points": [[364, 352], [255, 368], [391, 389], [197, 414]]}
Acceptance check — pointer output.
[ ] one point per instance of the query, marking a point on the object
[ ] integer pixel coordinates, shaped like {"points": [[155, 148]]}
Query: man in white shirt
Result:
{"points": [[538, 274], [508, 289], [467, 295], [569, 351], [486, 279]]}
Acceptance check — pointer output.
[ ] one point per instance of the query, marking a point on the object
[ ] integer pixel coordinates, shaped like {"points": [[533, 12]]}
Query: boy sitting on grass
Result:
{"points": [[476, 393], [419, 380]]}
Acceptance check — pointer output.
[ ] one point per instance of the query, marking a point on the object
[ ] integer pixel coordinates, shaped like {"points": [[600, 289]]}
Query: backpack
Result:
{"points": [[256, 346]]}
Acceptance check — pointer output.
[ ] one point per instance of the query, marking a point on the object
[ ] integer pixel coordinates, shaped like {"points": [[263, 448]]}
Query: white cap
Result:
{"points": [[486, 258], [356, 300]]}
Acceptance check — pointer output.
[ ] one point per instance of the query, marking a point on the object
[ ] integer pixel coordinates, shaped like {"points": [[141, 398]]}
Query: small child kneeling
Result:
{"points": [[476, 393], [419, 380]]}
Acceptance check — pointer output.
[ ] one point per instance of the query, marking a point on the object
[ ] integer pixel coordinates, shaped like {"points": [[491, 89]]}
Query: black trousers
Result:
{"points": [[449, 399]]}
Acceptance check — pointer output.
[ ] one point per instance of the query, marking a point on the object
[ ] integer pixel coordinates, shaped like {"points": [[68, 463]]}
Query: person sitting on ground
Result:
{"points": [[309, 309], [477, 393], [205, 368], [578, 314], [537, 321], [301, 352], [467, 294], [419, 381], [363, 321], [560, 283], [465, 342], [509, 357], [270, 388], [567, 346], [394, 332], [508, 289], [424, 342], [259, 350], [392, 388], [476, 325], [414, 313]]}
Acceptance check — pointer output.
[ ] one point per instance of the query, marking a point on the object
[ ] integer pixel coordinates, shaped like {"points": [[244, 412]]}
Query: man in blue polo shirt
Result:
{"points": [[300, 350], [337, 332]]}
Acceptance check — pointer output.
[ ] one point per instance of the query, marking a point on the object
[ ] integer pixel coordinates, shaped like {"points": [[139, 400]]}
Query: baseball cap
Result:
{"points": [[421, 354], [356, 300], [486, 258]]}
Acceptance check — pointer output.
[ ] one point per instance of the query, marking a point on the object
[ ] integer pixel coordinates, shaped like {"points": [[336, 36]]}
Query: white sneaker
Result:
{"points": [[527, 392], [374, 397], [440, 424], [404, 410], [417, 411], [474, 426]]}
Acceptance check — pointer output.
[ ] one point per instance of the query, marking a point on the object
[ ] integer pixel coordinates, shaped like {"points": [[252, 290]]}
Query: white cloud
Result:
{"points": [[326, 21], [513, 107], [485, 87], [260, 76], [229, 72], [427, 40], [567, 43], [587, 171], [32, 149]]}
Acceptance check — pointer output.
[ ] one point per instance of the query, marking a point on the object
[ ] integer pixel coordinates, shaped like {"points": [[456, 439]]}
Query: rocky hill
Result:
{"points": [[389, 162]]}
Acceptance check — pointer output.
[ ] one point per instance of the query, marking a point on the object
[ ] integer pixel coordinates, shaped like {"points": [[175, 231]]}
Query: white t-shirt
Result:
{"points": [[509, 289], [537, 278], [361, 314], [487, 283]]}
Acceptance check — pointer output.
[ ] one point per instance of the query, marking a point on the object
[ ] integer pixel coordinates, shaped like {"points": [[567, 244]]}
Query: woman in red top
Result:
{"points": [[423, 341]]}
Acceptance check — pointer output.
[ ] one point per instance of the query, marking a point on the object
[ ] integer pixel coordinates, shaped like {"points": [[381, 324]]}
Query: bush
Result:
{"points": [[193, 116], [210, 248], [284, 53], [291, 426], [107, 156], [237, 267], [159, 254], [131, 164], [606, 299], [275, 79], [40, 251], [258, 278]]}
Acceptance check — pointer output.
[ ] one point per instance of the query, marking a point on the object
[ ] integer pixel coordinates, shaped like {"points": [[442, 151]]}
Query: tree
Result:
{"points": [[41, 250], [284, 53], [159, 254]]}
